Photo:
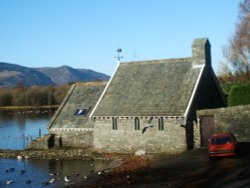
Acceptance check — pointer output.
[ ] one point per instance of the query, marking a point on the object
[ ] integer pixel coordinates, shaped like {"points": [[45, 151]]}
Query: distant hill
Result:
{"points": [[11, 75], [66, 74]]}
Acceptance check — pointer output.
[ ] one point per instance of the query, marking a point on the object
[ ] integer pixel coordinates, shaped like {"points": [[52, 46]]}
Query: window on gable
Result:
{"points": [[83, 111], [160, 124], [137, 123], [114, 123]]}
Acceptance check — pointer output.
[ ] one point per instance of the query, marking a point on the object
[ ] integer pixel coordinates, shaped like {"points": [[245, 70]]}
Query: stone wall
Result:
{"points": [[127, 140], [232, 119], [73, 137], [197, 136], [44, 142]]}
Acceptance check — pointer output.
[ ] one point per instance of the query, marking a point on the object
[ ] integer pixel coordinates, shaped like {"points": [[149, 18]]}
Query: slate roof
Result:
{"points": [[150, 88], [81, 96]]}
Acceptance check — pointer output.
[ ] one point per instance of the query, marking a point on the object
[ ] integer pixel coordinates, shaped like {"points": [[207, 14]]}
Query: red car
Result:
{"points": [[222, 144]]}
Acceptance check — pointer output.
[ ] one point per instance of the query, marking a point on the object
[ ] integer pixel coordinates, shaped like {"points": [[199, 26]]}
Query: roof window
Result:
{"points": [[83, 111]]}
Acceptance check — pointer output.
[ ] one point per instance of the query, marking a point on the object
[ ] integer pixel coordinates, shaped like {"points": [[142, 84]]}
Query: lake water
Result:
{"points": [[17, 128]]}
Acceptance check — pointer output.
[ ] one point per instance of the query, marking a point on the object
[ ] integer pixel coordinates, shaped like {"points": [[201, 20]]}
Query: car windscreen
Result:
{"points": [[221, 140]]}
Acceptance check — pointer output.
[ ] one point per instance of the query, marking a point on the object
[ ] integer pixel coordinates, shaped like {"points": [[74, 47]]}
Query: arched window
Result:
{"points": [[137, 123]]}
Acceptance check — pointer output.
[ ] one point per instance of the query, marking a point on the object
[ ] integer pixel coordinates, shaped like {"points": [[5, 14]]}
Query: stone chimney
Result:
{"points": [[201, 52]]}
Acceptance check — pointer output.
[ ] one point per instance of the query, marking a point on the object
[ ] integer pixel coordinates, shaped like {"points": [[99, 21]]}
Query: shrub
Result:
{"points": [[239, 94], [5, 98], [33, 96]]}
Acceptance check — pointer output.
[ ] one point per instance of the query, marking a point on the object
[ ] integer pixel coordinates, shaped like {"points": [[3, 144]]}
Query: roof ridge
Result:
{"points": [[94, 83], [173, 60]]}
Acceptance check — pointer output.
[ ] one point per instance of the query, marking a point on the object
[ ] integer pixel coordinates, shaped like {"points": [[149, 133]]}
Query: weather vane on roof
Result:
{"points": [[119, 57]]}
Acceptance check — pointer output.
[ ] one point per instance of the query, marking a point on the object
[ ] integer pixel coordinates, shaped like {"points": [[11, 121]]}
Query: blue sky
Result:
{"points": [[86, 33]]}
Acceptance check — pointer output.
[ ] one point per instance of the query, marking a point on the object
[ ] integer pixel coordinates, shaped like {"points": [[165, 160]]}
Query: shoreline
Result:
{"points": [[188, 169], [27, 107], [84, 154], [118, 174], [56, 154]]}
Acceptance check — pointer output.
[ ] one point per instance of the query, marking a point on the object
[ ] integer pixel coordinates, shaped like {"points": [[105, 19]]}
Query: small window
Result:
{"points": [[161, 124], [137, 123], [114, 123], [82, 112]]}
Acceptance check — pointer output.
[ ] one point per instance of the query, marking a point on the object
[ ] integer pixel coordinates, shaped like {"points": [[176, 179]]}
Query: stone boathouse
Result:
{"points": [[149, 105]]}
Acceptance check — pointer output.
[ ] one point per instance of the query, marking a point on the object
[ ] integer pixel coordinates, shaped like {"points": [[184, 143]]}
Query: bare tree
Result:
{"points": [[223, 69], [237, 52]]}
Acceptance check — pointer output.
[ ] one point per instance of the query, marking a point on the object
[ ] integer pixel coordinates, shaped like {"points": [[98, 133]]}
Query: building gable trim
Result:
{"points": [[60, 108], [194, 91], [104, 91]]}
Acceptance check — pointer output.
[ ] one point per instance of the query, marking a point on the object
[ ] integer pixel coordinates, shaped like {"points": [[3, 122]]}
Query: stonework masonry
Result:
{"points": [[73, 137], [232, 119], [197, 135], [126, 139]]}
